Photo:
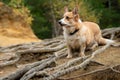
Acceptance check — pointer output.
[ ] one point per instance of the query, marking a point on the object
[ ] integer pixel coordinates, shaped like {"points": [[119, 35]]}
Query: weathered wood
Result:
{"points": [[93, 72], [110, 31], [74, 68], [53, 45], [19, 73], [10, 62], [31, 72]]}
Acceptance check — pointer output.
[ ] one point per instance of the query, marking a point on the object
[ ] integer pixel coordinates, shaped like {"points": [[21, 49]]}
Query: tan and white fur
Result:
{"points": [[80, 35]]}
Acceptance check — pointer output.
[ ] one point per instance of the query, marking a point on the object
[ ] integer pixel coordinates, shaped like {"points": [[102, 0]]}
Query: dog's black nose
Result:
{"points": [[59, 22]]}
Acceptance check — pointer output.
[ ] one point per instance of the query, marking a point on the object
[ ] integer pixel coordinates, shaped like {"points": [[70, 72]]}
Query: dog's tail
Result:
{"points": [[104, 41]]}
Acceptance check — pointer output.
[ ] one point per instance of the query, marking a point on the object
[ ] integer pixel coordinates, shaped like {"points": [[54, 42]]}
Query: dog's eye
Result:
{"points": [[67, 17]]}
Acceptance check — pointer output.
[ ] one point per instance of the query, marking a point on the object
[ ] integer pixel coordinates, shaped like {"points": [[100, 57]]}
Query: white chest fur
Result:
{"points": [[74, 40]]}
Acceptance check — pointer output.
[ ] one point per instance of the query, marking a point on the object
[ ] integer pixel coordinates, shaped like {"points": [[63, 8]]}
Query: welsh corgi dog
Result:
{"points": [[80, 35]]}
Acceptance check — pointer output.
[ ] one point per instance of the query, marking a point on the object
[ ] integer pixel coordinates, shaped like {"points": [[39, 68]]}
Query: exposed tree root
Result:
{"points": [[42, 47], [76, 67], [18, 74], [109, 31], [92, 72], [10, 62], [32, 72]]}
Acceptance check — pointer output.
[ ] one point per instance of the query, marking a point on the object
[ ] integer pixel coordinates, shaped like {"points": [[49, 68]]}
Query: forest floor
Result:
{"points": [[109, 57]]}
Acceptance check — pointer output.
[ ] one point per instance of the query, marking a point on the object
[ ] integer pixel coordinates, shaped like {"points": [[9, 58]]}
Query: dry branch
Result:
{"points": [[112, 68]]}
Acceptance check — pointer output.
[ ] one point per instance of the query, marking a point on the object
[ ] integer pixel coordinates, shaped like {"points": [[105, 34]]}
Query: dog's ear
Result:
{"points": [[75, 11], [76, 17], [66, 9]]}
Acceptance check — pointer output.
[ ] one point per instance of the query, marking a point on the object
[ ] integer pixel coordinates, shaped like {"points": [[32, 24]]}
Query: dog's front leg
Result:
{"points": [[82, 50], [70, 55]]}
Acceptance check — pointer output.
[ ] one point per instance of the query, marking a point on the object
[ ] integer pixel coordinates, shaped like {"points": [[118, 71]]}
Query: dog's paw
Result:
{"points": [[82, 55], [69, 56], [56, 54]]}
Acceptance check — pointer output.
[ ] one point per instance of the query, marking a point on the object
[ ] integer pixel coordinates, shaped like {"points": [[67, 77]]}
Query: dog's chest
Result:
{"points": [[74, 40]]}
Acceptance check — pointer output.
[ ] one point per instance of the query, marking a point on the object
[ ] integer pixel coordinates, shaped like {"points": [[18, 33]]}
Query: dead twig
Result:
{"points": [[112, 68]]}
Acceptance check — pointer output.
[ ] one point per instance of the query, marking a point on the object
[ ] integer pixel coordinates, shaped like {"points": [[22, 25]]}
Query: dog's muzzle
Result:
{"points": [[61, 24]]}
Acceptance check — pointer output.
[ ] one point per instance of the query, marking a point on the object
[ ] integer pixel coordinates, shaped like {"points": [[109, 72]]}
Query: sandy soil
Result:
{"points": [[6, 41], [13, 27]]}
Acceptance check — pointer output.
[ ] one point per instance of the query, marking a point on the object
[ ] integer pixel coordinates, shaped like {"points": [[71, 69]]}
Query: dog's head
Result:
{"points": [[70, 19]]}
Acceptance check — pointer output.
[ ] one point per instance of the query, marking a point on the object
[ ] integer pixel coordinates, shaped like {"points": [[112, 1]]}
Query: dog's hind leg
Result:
{"points": [[94, 45]]}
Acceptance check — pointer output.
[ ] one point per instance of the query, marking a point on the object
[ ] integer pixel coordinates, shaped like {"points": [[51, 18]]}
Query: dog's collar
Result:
{"points": [[74, 32]]}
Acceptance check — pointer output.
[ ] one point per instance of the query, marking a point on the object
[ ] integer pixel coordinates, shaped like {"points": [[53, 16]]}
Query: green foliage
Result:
{"points": [[20, 9], [86, 12], [5, 1], [40, 11], [104, 12], [109, 12]]}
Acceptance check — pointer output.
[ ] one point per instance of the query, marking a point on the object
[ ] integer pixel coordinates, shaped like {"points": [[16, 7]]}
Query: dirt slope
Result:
{"points": [[13, 28]]}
